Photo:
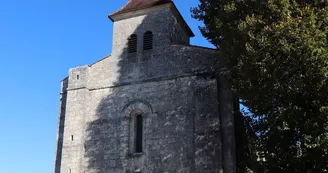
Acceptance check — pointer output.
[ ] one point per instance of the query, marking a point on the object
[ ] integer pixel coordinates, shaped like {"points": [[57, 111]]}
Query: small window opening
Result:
{"points": [[139, 135], [148, 41], [70, 171], [72, 138], [132, 43], [78, 77]]}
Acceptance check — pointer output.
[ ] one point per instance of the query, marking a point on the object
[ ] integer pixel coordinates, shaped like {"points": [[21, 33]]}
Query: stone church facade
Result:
{"points": [[155, 105]]}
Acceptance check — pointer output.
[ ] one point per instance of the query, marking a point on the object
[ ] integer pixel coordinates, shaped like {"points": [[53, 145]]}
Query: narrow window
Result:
{"points": [[139, 124], [148, 40], [77, 77], [72, 138], [132, 43]]}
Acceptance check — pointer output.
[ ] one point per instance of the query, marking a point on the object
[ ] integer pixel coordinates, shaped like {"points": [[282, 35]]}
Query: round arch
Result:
{"points": [[137, 107]]}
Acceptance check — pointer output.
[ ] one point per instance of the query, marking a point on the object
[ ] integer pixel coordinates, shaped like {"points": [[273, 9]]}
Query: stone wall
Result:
{"points": [[185, 104], [169, 108], [61, 125]]}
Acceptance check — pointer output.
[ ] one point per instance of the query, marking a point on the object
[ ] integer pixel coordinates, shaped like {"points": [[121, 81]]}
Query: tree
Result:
{"points": [[276, 53]]}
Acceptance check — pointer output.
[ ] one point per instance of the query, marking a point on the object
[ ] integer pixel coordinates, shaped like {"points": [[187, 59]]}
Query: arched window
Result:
{"points": [[139, 134], [136, 114], [132, 43], [148, 40]]}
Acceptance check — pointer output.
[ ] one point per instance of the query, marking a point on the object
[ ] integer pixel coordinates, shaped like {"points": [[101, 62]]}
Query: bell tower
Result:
{"points": [[137, 17]]}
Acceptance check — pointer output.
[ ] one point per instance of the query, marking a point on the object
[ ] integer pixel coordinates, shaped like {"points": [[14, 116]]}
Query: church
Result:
{"points": [[155, 105]]}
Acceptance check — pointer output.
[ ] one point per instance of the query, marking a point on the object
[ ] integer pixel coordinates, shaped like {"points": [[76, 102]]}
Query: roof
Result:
{"points": [[135, 5], [207, 49], [90, 65]]}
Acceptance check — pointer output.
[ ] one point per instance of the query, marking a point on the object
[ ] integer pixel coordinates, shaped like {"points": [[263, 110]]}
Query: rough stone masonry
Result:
{"points": [[155, 105]]}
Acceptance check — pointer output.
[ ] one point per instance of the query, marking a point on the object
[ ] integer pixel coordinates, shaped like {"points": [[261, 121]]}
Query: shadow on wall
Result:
{"points": [[110, 144], [60, 133], [108, 139], [174, 87], [171, 145]]}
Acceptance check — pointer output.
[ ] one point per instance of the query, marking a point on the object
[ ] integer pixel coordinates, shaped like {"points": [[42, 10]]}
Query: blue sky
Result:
{"points": [[39, 41]]}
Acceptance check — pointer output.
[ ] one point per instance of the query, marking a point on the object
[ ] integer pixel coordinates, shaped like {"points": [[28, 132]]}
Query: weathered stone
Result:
{"points": [[177, 88]]}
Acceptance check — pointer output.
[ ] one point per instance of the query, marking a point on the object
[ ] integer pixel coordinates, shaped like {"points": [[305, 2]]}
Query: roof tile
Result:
{"points": [[133, 5]]}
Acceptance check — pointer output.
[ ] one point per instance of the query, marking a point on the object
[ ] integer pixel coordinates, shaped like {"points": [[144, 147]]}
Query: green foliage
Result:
{"points": [[276, 52]]}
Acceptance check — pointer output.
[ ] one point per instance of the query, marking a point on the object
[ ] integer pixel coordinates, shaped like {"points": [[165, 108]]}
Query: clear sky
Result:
{"points": [[39, 41]]}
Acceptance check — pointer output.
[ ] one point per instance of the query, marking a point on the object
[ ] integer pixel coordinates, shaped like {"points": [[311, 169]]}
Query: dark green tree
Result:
{"points": [[276, 53]]}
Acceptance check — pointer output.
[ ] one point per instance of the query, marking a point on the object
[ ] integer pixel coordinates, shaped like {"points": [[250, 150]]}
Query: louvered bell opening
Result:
{"points": [[132, 44], [148, 41]]}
